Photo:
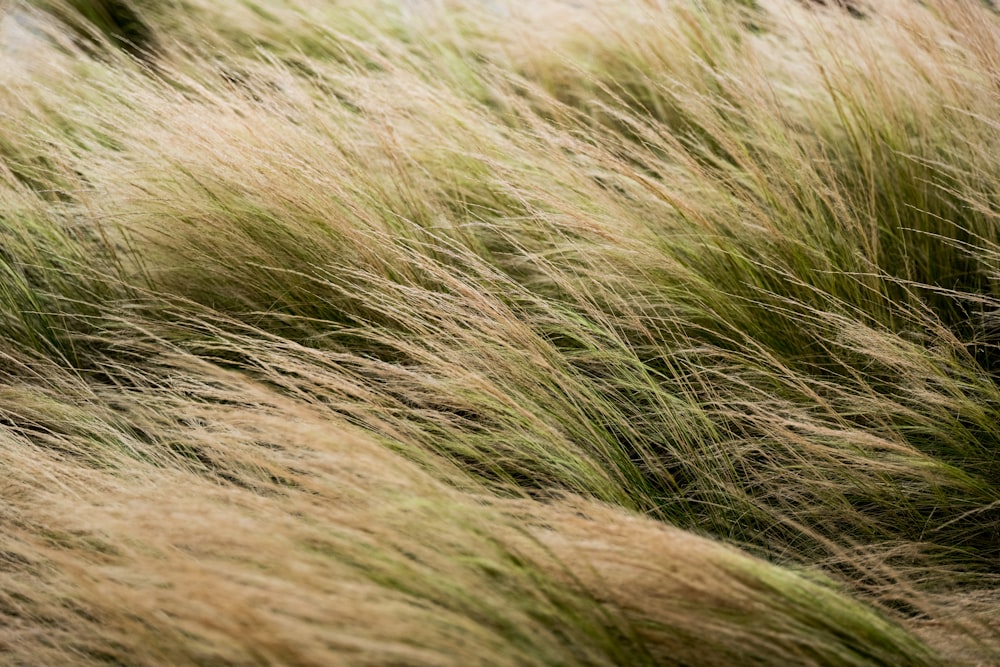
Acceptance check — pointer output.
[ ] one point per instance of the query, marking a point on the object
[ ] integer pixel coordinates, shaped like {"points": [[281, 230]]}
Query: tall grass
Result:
{"points": [[476, 333]]}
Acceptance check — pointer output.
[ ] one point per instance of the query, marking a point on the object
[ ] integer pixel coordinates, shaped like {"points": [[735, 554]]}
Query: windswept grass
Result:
{"points": [[459, 333]]}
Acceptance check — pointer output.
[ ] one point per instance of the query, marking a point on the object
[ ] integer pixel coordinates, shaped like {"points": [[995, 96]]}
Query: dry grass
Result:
{"points": [[437, 333]]}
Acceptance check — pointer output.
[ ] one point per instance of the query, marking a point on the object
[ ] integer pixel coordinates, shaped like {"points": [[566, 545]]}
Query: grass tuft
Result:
{"points": [[465, 333]]}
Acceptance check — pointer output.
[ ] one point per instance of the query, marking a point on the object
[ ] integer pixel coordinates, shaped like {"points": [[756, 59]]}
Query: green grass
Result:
{"points": [[470, 333]]}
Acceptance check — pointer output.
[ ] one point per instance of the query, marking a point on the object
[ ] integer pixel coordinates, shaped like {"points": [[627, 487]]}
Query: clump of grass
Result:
{"points": [[502, 343], [244, 526]]}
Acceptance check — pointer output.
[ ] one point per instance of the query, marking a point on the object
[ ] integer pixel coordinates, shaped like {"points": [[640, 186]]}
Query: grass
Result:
{"points": [[476, 333]]}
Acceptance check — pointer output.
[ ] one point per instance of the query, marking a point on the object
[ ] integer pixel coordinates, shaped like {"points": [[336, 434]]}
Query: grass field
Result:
{"points": [[452, 333]]}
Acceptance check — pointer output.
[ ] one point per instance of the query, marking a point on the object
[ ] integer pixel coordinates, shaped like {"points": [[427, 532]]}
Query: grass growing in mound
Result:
{"points": [[470, 333]]}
